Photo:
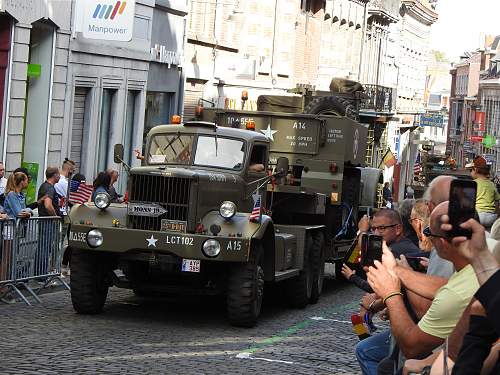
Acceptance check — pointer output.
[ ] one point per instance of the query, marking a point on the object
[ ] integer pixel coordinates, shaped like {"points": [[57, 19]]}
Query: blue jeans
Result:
{"points": [[372, 350]]}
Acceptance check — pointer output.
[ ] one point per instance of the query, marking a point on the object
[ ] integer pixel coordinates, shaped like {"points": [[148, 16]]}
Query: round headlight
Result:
{"points": [[94, 238], [227, 209], [102, 200], [211, 248]]}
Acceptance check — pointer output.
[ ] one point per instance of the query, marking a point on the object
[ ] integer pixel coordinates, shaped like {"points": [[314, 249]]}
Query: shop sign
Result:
{"points": [[490, 158], [430, 119], [33, 173], [160, 54], [107, 19]]}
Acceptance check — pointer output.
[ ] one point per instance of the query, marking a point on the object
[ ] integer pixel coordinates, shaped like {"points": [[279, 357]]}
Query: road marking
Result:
{"points": [[319, 318], [295, 328], [249, 356]]}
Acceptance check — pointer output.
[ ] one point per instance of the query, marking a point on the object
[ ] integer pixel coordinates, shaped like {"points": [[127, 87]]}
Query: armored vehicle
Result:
{"points": [[225, 206]]}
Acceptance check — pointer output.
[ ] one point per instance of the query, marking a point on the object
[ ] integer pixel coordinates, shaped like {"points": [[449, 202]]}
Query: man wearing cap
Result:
{"points": [[487, 195]]}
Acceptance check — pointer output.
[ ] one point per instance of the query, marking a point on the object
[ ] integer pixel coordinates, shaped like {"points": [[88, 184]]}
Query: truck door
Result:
{"points": [[256, 171]]}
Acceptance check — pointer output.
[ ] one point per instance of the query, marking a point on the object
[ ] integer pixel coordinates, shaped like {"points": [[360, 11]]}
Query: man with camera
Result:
{"points": [[448, 302]]}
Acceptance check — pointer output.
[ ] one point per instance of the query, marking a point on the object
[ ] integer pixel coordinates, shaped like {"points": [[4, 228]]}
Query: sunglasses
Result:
{"points": [[427, 233], [381, 228]]}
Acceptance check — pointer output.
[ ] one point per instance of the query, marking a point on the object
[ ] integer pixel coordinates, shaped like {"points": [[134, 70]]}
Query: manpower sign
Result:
{"points": [[107, 19]]}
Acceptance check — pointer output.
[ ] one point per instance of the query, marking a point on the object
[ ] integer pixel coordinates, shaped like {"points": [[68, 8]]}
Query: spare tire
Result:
{"points": [[331, 105]]}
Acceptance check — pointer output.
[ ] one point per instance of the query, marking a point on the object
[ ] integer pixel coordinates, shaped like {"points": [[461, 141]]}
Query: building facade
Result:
{"points": [[413, 33], [434, 123], [68, 93], [34, 51], [120, 89], [294, 42], [463, 106]]}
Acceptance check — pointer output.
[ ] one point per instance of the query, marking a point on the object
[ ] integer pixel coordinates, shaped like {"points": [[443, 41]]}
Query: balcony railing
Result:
{"points": [[380, 99]]}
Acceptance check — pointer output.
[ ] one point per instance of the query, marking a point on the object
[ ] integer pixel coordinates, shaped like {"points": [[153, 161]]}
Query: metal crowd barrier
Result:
{"points": [[31, 251]]}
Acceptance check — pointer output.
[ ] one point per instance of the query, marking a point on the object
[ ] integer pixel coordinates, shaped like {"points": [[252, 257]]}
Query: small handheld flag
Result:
{"points": [[255, 216], [79, 192], [358, 327]]}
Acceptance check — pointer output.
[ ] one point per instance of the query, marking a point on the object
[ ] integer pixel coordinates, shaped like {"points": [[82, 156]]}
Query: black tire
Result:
{"points": [[89, 287], [298, 289], [318, 265], [331, 105], [245, 290]]}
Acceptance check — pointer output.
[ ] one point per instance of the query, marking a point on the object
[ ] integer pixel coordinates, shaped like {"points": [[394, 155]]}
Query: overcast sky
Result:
{"points": [[461, 24]]}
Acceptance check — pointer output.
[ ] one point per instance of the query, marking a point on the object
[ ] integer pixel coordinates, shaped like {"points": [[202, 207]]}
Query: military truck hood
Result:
{"points": [[193, 173]]}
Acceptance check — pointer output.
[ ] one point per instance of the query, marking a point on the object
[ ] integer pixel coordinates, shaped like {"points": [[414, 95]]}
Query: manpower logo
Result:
{"points": [[108, 19], [109, 11]]}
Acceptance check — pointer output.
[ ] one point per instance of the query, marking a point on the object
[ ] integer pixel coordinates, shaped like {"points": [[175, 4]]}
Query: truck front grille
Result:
{"points": [[172, 193]]}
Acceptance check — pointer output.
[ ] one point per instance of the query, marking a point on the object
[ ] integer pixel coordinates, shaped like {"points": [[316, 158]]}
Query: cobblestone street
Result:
{"points": [[188, 336]]}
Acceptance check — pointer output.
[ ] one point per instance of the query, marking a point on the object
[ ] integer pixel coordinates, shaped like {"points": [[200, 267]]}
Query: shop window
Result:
{"points": [[4, 57], [106, 129], [312, 6], [159, 109], [129, 131]]}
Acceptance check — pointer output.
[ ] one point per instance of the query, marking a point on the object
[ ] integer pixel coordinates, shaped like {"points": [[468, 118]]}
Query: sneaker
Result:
{"points": [[65, 272]]}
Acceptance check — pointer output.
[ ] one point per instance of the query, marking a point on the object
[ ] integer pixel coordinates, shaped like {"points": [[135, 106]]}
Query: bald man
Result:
{"points": [[438, 192], [448, 302]]}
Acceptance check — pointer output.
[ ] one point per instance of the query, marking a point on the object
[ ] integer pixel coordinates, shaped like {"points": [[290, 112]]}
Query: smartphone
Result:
{"points": [[414, 263], [371, 249], [462, 206]]}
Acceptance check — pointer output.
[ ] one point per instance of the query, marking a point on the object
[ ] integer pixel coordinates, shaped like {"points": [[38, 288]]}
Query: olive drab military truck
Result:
{"points": [[224, 206]]}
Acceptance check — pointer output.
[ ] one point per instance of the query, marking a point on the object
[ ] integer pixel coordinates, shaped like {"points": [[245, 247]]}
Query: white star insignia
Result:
{"points": [[269, 132], [151, 241]]}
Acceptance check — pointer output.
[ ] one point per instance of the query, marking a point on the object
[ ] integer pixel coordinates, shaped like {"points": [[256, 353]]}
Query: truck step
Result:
{"points": [[283, 275]]}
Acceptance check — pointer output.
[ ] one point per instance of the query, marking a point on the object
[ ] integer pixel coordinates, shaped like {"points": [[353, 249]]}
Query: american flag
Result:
{"points": [[417, 168], [79, 192], [255, 215]]}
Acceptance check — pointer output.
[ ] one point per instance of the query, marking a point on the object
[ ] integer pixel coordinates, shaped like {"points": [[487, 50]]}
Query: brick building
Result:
{"points": [[473, 93]]}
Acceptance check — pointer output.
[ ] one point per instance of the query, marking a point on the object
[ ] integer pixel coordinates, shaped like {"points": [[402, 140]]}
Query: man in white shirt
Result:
{"points": [[68, 168], [3, 180]]}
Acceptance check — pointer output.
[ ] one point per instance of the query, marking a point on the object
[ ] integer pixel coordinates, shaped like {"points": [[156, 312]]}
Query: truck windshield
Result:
{"points": [[219, 152], [171, 149]]}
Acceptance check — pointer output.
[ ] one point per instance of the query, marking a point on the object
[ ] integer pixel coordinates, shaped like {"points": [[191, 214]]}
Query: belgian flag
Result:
{"points": [[389, 159]]}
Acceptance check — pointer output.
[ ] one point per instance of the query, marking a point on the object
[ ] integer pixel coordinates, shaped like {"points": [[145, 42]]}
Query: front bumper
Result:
{"points": [[183, 245]]}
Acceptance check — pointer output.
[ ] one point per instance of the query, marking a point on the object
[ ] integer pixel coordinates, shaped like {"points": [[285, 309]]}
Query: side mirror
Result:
{"points": [[281, 169], [118, 153]]}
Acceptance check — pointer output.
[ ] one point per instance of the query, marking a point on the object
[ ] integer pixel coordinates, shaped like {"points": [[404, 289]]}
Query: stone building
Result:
{"points": [[412, 33], [120, 89], [69, 90], [269, 47], [34, 52], [434, 123]]}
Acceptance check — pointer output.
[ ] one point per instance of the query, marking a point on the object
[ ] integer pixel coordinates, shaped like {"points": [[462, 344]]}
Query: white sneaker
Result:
{"points": [[65, 272]]}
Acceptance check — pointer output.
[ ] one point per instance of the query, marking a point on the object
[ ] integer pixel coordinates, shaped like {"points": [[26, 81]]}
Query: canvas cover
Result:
{"points": [[277, 103]]}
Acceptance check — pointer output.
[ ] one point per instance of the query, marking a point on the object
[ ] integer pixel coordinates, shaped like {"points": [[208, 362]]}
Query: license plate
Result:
{"points": [[173, 226], [191, 265]]}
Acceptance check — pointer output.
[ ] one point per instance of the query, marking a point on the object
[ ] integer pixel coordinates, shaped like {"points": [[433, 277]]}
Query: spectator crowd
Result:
{"points": [[440, 295], [53, 199]]}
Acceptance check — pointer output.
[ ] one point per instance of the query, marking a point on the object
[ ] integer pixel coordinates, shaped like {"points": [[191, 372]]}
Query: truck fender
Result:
{"points": [[241, 226], [265, 235]]}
